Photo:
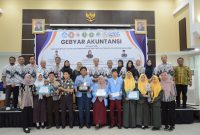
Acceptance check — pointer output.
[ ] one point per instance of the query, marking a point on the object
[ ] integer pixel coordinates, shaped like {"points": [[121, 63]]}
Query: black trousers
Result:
{"points": [[168, 113], [181, 89], [9, 91], [52, 108], [27, 113], [67, 103]]}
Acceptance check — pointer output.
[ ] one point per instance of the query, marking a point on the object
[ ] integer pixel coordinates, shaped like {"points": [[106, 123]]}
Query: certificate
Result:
{"points": [[133, 95], [44, 90], [101, 93], [115, 94]]}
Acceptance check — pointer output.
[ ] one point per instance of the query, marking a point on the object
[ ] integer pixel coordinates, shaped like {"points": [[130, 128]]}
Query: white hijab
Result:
{"points": [[39, 83]]}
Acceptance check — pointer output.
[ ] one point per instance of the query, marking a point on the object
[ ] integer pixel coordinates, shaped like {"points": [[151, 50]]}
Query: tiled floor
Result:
{"points": [[189, 129]]}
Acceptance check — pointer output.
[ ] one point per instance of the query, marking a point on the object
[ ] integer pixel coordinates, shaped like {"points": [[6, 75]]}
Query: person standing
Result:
{"points": [[31, 68], [76, 71], [156, 96], [67, 68], [130, 67], [168, 104], [108, 70], [53, 101], [57, 69], [129, 105], [39, 102], [9, 83], [27, 101], [115, 97], [164, 67], [83, 87], [149, 69], [143, 111], [96, 70], [66, 91], [140, 68], [183, 78], [43, 70], [99, 102], [121, 70]]}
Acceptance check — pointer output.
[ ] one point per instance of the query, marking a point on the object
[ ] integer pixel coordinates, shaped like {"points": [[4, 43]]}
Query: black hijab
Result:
{"points": [[67, 68], [149, 70], [132, 69], [119, 68]]}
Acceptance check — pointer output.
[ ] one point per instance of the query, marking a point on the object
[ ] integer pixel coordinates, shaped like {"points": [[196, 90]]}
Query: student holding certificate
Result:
{"points": [[66, 99], [130, 96], [156, 95], [83, 87], [39, 102], [53, 101], [100, 102], [115, 96], [143, 111]]}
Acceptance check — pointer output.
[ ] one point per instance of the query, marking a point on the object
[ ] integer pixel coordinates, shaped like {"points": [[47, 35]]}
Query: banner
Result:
{"points": [[85, 44]]}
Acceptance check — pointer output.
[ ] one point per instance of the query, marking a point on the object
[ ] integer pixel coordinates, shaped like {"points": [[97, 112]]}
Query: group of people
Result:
{"points": [[138, 94]]}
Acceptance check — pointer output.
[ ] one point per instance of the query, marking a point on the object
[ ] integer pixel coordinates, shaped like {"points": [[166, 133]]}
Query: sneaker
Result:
{"points": [[8, 108]]}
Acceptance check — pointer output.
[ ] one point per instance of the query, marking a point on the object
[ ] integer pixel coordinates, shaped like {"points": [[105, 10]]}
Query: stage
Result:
{"points": [[13, 118]]}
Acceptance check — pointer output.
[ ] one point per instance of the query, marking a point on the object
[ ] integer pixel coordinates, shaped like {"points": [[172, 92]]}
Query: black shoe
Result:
{"points": [[48, 127], [125, 127], [184, 106], [171, 128], [57, 126], [119, 127], [70, 126], [111, 126], [143, 127], [166, 127], [43, 126], [146, 127], [26, 130], [63, 126], [81, 126], [38, 127], [154, 128], [88, 126]]}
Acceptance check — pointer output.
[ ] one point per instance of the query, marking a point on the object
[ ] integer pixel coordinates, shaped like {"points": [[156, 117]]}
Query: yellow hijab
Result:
{"points": [[155, 87], [129, 83], [142, 85]]}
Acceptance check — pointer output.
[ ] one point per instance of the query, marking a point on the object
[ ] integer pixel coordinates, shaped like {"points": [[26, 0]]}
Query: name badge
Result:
{"points": [[115, 94]]}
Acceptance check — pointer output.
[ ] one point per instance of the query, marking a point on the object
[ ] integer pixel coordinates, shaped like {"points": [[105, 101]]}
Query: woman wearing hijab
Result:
{"points": [[143, 111], [130, 67], [121, 70], [149, 70], [39, 103], [27, 101], [99, 102], [67, 68], [129, 106], [168, 101], [156, 96]]}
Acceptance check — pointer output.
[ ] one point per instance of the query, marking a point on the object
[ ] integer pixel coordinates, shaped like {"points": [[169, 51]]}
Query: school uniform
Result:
{"points": [[66, 102], [115, 86], [84, 99]]}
